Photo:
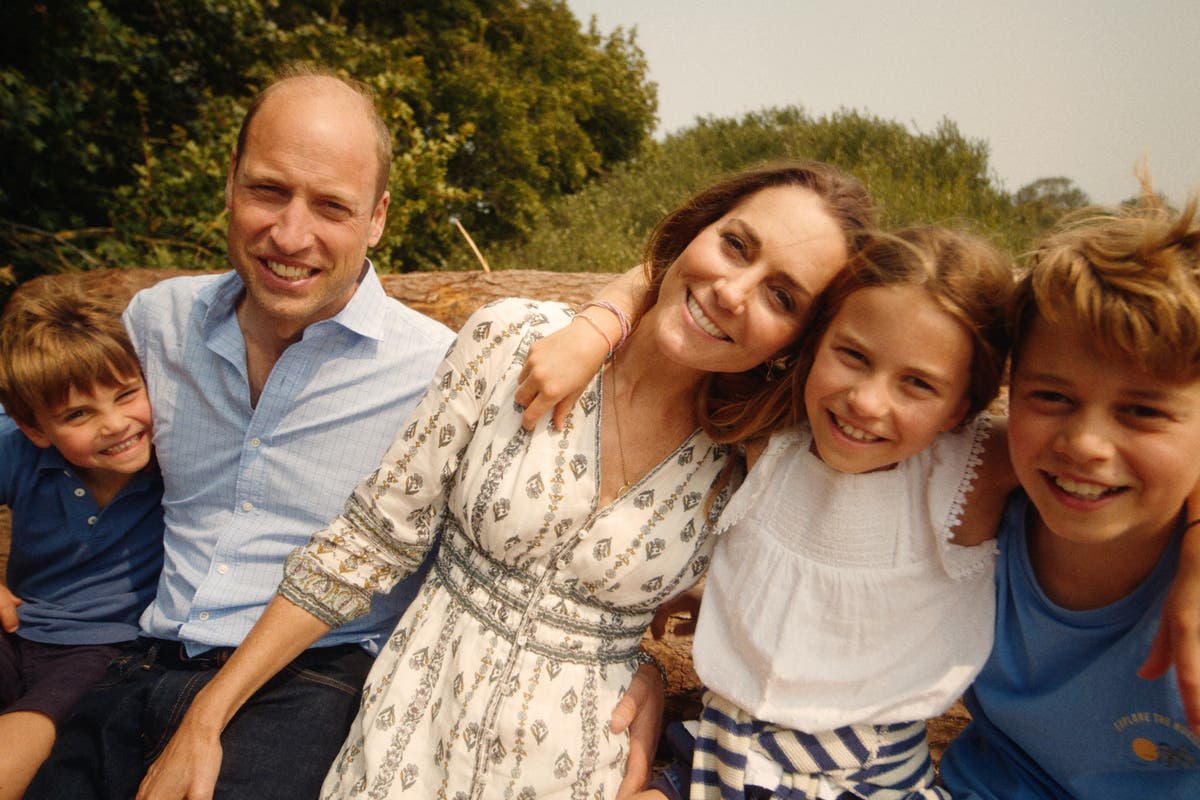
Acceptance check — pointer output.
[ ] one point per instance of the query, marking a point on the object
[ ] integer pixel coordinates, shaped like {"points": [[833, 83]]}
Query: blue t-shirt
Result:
{"points": [[85, 574], [1058, 710]]}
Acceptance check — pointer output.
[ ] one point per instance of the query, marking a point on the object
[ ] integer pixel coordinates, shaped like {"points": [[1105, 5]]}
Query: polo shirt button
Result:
{"points": [[92, 520], [203, 615], [223, 569], [247, 506], [80, 492], [255, 442]]}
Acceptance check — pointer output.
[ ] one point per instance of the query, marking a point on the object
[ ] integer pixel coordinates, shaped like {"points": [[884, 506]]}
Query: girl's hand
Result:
{"points": [[562, 365], [558, 369]]}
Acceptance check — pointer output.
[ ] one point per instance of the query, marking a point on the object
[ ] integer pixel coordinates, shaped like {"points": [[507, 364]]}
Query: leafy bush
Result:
{"points": [[915, 177], [117, 117]]}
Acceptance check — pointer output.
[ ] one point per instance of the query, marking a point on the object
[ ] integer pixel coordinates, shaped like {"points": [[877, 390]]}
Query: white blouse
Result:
{"points": [[836, 599]]}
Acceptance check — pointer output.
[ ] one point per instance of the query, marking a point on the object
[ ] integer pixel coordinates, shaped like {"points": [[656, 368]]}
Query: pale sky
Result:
{"points": [[1081, 88]]}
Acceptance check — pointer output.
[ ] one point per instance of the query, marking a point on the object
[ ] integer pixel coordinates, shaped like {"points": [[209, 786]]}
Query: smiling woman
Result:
{"points": [[555, 547]]}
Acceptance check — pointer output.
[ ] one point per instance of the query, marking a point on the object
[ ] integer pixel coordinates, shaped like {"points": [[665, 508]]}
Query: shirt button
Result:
{"points": [[247, 506], [522, 640], [255, 442], [80, 492], [91, 520], [203, 615], [223, 569]]}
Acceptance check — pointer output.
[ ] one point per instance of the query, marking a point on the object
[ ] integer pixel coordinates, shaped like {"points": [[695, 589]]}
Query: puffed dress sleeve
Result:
{"points": [[391, 520]]}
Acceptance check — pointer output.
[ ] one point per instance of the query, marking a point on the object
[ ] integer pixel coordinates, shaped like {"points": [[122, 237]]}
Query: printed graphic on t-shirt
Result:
{"points": [[1158, 739]]}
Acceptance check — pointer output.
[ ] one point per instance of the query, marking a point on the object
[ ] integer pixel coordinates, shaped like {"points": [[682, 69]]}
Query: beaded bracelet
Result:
{"points": [[596, 327], [622, 320]]}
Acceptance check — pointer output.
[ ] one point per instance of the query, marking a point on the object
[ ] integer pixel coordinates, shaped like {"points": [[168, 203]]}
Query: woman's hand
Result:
{"points": [[640, 712], [562, 365]]}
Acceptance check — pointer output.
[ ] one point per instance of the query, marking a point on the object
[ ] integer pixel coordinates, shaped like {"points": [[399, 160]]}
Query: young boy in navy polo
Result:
{"points": [[76, 471]]}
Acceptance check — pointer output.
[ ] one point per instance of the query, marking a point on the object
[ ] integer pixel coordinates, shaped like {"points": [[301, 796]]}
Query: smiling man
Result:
{"points": [[275, 388]]}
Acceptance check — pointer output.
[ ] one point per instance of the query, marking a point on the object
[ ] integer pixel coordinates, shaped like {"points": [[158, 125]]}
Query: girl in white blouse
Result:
{"points": [[849, 597]]}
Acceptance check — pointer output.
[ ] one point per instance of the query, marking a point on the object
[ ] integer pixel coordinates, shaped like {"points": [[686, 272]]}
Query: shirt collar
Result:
{"points": [[365, 314], [50, 460]]}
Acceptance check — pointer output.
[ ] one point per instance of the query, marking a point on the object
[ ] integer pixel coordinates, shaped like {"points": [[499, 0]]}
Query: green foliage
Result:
{"points": [[915, 177], [117, 117], [1041, 203]]}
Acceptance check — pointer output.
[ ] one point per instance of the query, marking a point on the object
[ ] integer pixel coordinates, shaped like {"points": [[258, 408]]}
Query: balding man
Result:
{"points": [[274, 387]]}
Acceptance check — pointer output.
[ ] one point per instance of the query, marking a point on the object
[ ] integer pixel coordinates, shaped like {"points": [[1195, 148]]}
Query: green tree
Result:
{"points": [[915, 177], [117, 117], [1041, 203]]}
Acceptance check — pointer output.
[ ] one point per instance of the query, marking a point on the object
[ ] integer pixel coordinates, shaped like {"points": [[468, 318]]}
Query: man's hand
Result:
{"points": [[640, 712], [187, 768], [1178, 639], [8, 610]]}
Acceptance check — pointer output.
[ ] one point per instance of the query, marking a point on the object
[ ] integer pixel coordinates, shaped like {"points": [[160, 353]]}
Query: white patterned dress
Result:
{"points": [[500, 680]]}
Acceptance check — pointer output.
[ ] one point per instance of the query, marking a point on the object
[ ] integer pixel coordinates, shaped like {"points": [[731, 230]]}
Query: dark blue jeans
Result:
{"points": [[279, 745]]}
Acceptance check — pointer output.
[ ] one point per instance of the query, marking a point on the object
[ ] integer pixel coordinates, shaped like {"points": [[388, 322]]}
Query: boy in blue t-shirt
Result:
{"points": [[77, 474], [1104, 435]]}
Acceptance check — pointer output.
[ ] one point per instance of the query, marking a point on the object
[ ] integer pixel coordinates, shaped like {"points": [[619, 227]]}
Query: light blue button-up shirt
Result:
{"points": [[245, 485]]}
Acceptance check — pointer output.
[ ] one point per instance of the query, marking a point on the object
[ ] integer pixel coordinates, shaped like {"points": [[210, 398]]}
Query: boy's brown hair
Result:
{"points": [[55, 335], [1129, 279], [966, 276]]}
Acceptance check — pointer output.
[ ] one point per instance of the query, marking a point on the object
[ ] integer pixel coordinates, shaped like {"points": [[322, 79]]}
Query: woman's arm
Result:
{"points": [[560, 366], [320, 589], [189, 765]]}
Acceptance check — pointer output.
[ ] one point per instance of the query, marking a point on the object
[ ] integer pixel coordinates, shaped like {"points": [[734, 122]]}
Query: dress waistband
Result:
{"points": [[533, 609]]}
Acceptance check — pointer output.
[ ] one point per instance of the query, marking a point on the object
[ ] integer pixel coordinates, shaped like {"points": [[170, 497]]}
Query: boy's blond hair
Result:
{"points": [[1129, 279], [55, 335]]}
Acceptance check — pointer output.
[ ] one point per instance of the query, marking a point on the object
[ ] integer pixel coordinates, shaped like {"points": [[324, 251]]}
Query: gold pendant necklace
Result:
{"points": [[617, 419]]}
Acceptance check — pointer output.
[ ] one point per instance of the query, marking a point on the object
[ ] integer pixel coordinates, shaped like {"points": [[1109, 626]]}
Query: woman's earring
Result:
{"points": [[776, 367]]}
